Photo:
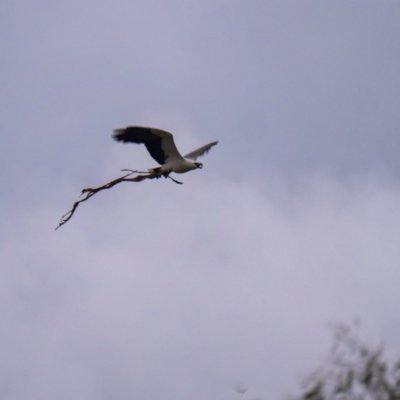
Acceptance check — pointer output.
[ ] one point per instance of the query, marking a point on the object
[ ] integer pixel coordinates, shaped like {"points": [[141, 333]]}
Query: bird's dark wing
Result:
{"points": [[160, 144]]}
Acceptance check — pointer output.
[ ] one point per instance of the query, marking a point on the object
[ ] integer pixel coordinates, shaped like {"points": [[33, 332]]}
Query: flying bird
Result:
{"points": [[161, 146]]}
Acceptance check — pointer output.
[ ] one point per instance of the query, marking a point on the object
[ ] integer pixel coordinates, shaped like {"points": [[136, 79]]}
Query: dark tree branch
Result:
{"points": [[89, 192]]}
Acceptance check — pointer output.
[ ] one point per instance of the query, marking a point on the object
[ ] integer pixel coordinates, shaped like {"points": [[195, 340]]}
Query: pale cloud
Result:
{"points": [[212, 285]]}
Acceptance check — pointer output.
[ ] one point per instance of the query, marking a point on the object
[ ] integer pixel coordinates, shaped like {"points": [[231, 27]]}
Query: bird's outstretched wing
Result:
{"points": [[160, 144], [200, 151]]}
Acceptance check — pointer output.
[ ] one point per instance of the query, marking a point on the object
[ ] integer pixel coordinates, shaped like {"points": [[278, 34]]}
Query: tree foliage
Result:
{"points": [[353, 371]]}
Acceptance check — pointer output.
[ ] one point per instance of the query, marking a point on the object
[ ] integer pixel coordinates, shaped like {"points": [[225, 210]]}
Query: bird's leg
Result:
{"points": [[180, 183], [166, 175]]}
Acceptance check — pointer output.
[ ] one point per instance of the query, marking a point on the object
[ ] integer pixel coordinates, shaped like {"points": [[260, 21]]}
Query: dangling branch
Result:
{"points": [[91, 191]]}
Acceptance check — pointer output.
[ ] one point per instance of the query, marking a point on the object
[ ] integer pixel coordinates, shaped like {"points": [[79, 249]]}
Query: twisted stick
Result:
{"points": [[92, 191]]}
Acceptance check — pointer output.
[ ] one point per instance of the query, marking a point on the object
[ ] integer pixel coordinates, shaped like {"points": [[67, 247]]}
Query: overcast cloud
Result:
{"points": [[161, 291]]}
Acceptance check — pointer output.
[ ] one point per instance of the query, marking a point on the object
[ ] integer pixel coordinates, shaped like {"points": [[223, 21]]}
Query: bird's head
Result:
{"points": [[198, 165]]}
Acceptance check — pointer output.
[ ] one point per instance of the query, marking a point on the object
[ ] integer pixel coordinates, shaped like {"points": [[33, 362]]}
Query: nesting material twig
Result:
{"points": [[89, 192]]}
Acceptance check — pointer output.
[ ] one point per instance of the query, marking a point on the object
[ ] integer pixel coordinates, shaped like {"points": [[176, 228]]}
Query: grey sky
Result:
{"points": [[160, 291]]}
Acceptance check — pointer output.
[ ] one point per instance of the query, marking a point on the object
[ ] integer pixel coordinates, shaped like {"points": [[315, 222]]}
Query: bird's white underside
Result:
{"points": [[179, 166]]}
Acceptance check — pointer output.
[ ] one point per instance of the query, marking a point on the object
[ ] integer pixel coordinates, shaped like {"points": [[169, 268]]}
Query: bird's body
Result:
{"points": [[161, 146], [178, 166]]}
